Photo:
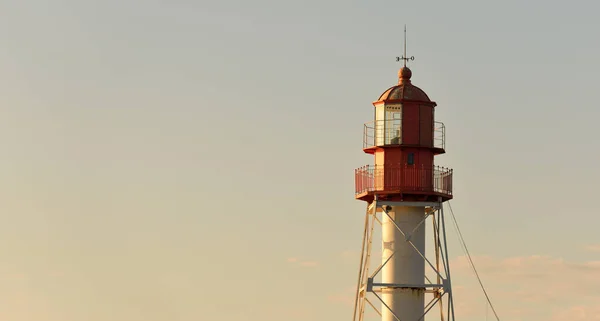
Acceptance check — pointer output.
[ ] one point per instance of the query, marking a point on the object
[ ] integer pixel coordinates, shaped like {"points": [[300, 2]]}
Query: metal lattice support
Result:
{"points": [[440, 290]]}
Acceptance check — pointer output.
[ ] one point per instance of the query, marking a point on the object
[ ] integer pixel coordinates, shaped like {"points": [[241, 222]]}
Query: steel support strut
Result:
{"points": [[440, 265]]}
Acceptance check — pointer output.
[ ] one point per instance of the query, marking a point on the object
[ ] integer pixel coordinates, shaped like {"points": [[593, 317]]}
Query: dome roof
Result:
{"points": [[405, 89]]}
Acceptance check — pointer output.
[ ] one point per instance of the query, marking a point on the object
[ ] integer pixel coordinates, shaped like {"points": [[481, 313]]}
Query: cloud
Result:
{"points": [[349, 254], [345, 296], [344, 299], [590, 312], [592, 248], [528, 287], [295, 260], [16, 276]]}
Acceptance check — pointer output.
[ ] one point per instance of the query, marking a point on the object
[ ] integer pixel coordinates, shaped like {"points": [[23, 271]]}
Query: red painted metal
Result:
{"points": [[404, 179], [411, 131]]}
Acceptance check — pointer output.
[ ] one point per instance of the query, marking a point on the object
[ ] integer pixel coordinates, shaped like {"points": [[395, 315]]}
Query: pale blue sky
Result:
{"points": [[163, 160]]}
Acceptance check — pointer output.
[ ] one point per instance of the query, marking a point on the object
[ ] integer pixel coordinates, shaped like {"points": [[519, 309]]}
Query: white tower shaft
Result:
{"points": [[405, 267]]}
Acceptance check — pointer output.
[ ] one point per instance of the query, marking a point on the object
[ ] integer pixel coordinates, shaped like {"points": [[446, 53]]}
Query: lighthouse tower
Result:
{"points": [[404, 191]]}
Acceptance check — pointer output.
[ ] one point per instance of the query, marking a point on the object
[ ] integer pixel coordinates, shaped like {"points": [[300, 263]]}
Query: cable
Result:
{"points": [[464, 245]]}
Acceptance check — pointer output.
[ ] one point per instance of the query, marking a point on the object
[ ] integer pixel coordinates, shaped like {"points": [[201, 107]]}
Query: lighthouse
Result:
{"points": [[404, 190]]}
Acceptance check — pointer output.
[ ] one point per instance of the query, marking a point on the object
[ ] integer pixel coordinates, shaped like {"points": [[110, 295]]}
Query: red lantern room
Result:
{"points": [[404, 138]]}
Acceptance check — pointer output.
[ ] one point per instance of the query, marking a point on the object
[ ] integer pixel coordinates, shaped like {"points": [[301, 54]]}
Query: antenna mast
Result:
{"points": [[404, 57], [404, 45]]}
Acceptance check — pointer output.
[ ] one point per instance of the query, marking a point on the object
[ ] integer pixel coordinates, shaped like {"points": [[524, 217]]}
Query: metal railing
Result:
{"points": [[389, 132], [403, 178], [439, 135]]}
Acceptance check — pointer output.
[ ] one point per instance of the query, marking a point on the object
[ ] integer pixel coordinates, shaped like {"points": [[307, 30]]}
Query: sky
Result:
{"points": [[193, 160]]}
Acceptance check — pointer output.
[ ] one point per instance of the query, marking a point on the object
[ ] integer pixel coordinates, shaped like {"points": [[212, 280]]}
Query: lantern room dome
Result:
{"points": [[404, 89]]}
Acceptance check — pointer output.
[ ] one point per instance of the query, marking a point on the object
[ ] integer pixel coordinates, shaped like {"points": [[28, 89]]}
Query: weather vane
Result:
{"points": [[404, 57]]}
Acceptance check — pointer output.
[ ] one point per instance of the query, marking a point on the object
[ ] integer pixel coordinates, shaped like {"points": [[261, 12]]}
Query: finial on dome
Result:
{"points": [[404, 75]]}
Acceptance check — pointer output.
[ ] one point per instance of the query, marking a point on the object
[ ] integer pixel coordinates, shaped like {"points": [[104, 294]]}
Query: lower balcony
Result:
{"points": [[405, 182]]}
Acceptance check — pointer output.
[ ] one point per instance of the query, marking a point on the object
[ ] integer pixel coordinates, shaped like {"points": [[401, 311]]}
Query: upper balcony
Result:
{"points": [[388, 133]]}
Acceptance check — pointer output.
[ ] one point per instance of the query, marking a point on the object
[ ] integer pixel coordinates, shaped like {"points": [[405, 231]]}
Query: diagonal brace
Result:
{"points": [[412, 244]]}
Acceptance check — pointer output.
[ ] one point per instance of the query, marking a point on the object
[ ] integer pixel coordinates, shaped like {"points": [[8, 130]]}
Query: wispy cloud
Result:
{"points": [[580, 312], [349, 254], [592, 248], [305, 263], [345, 296], [528, 286], [354, 256]]}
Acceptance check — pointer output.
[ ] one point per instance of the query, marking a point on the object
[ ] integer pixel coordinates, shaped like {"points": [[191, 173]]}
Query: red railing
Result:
{"points": [[406, 178], [389, 132]]}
